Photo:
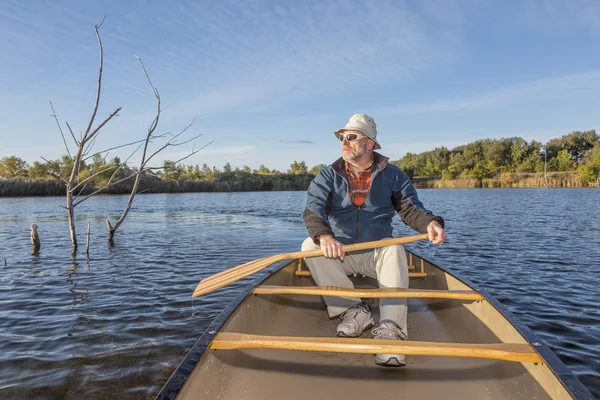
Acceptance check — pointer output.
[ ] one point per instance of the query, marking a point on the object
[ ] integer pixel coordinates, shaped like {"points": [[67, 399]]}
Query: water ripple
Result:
{"points": [[118, 323]]}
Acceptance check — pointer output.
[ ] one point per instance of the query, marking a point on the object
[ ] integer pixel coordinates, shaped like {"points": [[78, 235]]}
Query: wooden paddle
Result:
{"points": [[231, 275]]}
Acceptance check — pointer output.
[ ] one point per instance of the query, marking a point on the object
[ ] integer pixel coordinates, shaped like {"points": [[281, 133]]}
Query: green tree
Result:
{"points": [[207, 172], [592, 157], [11, 167], [575, 143], [587, 173], [38, 170], [564, 161], [315, 170], [298, 168], [263, 170], [172, 171], [196, 173], [591, 168], [519, 151]]}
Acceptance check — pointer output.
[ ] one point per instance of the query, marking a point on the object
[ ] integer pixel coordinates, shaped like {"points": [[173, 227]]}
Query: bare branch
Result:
{"points": [[101, 22], [87, 137], [193, 152], [162, 135], [181, 159], [148, 78], [187, 141], [117, 147], [60, 129], [81, 191], [55, 174], [104, 188], [108, 184], [72, 135], [151, 129], [92, 176], [170, 141], [88, 147], [97, 28]]}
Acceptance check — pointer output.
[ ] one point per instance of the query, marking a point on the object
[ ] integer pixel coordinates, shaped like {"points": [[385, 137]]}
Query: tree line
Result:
{"points": [[18, 178], [577, 151], [487, 158]]}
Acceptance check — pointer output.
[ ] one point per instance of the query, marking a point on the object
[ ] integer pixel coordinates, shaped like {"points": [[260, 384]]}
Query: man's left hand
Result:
{"points": [[436, 232]]}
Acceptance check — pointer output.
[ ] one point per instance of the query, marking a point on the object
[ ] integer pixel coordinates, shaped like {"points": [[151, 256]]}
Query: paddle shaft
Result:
{"points": [[360, 246], [318, 253], [226, 277]]}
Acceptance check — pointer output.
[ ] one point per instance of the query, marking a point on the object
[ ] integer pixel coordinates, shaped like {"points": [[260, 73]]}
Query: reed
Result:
{"points": [[570, 179]]}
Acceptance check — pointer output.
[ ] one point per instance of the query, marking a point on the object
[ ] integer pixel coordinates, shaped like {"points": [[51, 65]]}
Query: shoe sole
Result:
{"points": [[342, 334], [391, 363]]}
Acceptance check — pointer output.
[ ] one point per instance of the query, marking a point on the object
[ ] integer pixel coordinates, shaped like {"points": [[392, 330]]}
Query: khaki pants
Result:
{"points": [[387, 264]]}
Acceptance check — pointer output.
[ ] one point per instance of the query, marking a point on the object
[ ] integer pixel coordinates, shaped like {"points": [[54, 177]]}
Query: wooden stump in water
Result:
{"points": [[35, 239], [111, 233], [87, 246]]}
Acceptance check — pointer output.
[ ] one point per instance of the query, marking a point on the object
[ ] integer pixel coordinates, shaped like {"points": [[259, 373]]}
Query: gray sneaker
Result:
{"points": [[355, 320], [389, 330]]}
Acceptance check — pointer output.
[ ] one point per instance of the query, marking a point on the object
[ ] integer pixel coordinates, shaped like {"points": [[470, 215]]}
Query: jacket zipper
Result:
{"points": [[360, 208], [357, 215]]}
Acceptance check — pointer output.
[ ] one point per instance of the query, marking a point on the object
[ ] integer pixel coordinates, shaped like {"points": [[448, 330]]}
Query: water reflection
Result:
{"points": [[80, 295]]}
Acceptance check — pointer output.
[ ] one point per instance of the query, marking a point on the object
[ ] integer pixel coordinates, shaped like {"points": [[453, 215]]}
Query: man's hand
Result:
{"points": [[331, 247], [436, 232]]}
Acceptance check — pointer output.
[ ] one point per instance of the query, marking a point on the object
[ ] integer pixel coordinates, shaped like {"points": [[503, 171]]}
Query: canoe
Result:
{"points": [[275, 340]]}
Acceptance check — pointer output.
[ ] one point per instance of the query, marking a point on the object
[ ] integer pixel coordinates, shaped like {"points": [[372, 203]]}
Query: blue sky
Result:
{"points": [[271, 80]]}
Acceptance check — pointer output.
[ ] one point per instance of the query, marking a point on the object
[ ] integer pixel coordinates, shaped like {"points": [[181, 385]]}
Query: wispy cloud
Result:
{"points": [[297, 141], [229, 150], [548, 88], [308, 48]]}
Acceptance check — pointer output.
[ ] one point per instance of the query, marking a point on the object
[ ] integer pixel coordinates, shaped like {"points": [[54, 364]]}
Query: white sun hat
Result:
{"points": [[362, 123]]}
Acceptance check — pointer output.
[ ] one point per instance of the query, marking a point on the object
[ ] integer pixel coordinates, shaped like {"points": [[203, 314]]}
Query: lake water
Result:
{"points": [[117, 324]]}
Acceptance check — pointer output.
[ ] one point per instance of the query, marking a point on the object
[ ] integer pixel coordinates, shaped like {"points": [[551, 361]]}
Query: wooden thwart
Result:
{"points": [[410, 274], [369, 293], [518, 352]]}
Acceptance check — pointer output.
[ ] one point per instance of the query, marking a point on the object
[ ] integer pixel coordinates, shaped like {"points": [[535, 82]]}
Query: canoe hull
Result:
{"points": [[260, 373]]}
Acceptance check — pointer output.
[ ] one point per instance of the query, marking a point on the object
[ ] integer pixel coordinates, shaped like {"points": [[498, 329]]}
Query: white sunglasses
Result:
{"points": [[350, 136]]}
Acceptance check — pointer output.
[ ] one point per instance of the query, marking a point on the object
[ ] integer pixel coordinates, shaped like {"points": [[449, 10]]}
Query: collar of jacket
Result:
{"points": [[339, 166]]}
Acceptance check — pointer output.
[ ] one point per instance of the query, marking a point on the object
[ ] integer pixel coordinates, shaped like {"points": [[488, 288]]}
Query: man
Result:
{"points": [[352, 201]]}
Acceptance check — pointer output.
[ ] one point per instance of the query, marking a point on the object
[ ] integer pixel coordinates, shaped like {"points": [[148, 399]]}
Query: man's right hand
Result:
{"points": [[331, 247]]}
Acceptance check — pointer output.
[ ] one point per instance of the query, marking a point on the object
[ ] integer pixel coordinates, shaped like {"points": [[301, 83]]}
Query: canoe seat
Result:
{"points": [[369, 293], [517, 352]]}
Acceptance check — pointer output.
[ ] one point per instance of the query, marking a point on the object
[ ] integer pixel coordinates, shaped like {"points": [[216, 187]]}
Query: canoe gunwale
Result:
{"points": [[180, 375], [571, 383]]}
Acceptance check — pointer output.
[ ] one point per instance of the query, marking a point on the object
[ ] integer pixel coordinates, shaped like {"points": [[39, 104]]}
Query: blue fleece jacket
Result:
{"points": [[330, 211]]}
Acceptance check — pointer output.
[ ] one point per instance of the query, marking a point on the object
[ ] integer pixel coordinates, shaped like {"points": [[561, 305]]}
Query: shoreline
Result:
{"points": [[25, 187]]}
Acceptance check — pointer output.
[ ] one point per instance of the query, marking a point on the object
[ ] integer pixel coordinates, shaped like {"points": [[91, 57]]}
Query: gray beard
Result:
{"points": [[353, 156]]}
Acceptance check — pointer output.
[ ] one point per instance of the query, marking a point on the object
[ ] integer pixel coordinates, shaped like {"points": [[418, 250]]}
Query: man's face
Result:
{"points": [[354, 150]]}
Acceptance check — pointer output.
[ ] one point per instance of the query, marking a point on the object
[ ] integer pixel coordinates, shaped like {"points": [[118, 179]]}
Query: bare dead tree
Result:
{"points": [[145, 159], [85, 144]]}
